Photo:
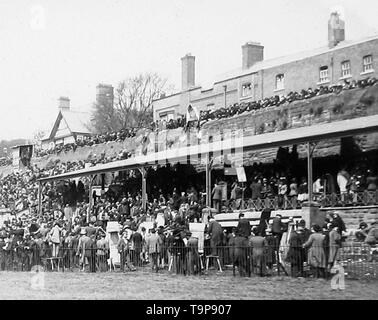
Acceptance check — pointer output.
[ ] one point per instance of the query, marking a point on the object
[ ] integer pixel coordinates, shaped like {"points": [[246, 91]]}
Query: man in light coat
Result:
{"points": [[153, 244]]}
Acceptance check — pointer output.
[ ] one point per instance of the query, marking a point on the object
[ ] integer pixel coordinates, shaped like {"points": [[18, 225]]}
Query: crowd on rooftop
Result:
{"points": [[208, 115]]}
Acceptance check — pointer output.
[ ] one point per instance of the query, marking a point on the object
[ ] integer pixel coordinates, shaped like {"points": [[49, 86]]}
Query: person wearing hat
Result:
{"points": [[137, 244], [84, 248], [102, 251], [153, 244], [362, 231], [316, 253], [240, 250], [334, 245], [217, 197], [194, 265], [216, 236], [178, 251], [296, 255], [244, 226], [372, 239], [258, 245]]}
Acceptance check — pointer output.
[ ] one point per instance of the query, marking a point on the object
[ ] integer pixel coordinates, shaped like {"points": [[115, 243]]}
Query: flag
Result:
{"points": [[145, 142], [192, 114]]}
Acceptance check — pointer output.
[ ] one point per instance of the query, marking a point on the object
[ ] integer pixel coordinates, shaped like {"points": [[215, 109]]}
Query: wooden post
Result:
{"points": [[90, 206], [309, 172], [39, 198], [91, 178], [208, 181], [144, 188]]}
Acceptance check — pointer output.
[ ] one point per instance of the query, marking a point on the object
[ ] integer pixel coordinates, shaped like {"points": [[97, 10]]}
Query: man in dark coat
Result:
{"points": [[137, 241], [297, 254], [240, 252], [244, 227], [278, 227], [178, 250], [217, 197], [216, 236]]}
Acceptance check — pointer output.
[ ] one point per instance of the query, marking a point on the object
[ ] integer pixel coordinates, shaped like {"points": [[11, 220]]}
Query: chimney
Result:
{"points": [[336, 30], [252, 52], [104, 94], [64, 104], [188, 71]]}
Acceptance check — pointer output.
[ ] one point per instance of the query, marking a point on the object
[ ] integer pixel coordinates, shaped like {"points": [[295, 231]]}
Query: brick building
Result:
{"points": [[258, 78]]}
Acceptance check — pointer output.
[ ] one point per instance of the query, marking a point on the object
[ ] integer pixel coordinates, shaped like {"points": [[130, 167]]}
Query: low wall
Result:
{"points": [[352, 216]]}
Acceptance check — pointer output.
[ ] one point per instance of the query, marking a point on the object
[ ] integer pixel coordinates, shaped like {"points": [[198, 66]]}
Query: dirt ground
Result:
{"points": [[143, 285]]}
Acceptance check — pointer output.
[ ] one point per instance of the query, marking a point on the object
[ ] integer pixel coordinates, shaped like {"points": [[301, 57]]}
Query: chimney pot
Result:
{"points": [[188, 71], [336, 30], [252, 52], [64, 104]]}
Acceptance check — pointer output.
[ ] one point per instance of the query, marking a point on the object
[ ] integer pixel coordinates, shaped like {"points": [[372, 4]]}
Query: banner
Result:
{"points": [[198, 231], [240, 172]]}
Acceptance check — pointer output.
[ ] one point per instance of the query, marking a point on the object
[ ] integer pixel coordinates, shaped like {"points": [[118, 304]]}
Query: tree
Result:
{"points": [[134, 98], [132, 107]]}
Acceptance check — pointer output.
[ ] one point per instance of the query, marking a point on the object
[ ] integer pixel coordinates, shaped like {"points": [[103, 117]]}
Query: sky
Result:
{"points": [[65, 48]]}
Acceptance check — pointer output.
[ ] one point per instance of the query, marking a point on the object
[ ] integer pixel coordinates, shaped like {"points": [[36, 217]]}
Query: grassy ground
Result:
{"points": [[145, 285]]}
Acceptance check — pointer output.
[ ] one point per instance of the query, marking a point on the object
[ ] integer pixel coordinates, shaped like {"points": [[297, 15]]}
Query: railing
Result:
{"points": [[365, 198], [358, 260]]}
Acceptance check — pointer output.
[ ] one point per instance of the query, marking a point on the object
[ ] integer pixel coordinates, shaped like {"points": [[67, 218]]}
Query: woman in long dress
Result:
{"points": [[316, 254]]}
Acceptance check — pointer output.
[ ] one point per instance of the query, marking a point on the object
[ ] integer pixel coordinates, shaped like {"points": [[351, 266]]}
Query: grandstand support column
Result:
{"points": [[39, 198], [310, 209], [208, 180], [310, 150], [90, 205], [144, 187]]}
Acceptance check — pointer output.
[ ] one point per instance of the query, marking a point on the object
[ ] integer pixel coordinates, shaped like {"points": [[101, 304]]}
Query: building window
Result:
{"points": [[368, 63], [280, 82], [345, 69], [323, 74], [166, 116], [246, 89]]}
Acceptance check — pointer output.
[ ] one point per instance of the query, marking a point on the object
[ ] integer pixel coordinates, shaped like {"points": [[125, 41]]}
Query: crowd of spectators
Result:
{"points": [[90, 141], [208, 115], [239, 108], [5, 161], [65, 225]]}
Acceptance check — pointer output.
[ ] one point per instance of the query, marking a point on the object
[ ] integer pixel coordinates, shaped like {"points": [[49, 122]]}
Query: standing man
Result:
{"points": [[217, 197], [193, 255], [278, 227], [102, 251], [153, 244], [216, 236], [297, 254], [244, 226], [84, 248]]}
